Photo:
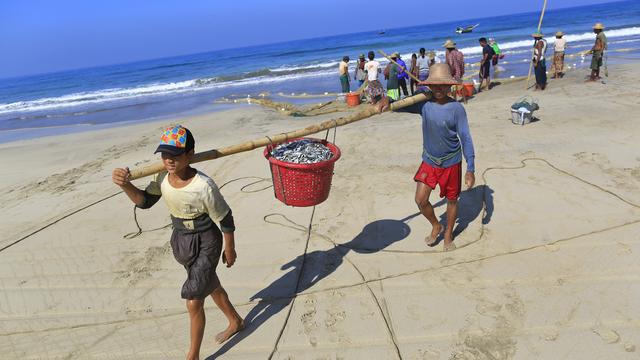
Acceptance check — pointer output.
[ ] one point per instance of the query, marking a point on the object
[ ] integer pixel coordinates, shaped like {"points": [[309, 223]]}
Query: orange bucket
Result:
{"points": [[468, 89], [353, 99]]}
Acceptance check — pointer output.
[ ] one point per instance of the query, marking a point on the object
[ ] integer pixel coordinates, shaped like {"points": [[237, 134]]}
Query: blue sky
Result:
{"points": [[39, 36]]}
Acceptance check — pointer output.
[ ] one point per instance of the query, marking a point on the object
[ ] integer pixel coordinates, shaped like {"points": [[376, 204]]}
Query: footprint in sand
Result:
{"points": [[609, 336]]}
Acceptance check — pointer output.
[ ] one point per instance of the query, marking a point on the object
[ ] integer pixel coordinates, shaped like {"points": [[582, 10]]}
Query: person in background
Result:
{"points": [[414, 71], [423, 65], [343, 69], [402, 76], [455, 60], [433, 59], [539, 65], [485, 64], [375, 91], [391, 74], [597, 51], [361, 75], [497, 54], [559, 47]]}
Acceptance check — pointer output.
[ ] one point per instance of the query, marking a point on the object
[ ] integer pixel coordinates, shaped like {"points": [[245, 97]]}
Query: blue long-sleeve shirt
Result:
{"points": [[445, 130]]}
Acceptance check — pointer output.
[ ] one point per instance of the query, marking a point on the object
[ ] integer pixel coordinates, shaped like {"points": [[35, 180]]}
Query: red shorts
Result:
{"points": [[450, 179]]}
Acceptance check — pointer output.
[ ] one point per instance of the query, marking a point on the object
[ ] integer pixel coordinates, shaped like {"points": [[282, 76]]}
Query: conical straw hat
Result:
{"points": [[537, 34], [449, 44], [440, 74], [559, 33], [598, 26]]}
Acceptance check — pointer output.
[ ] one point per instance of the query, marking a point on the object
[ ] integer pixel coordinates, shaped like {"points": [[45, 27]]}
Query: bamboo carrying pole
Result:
{"points": [[283, 137], [544, 7], [402, 67]]}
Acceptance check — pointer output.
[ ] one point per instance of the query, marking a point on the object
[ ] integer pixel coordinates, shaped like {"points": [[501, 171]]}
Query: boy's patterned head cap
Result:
{"points": [[176, 140]]}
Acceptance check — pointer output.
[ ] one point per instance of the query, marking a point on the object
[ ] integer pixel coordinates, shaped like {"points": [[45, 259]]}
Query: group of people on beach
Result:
{"points": [[203, 223], [560, 45], [397, 72]]}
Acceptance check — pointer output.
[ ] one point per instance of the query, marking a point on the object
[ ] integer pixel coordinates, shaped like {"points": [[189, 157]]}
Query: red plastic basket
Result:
{"points": [[302, 184]]}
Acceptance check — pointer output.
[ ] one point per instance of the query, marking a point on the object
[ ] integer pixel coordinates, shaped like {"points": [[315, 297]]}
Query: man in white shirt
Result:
{"points": [[375, 91]]}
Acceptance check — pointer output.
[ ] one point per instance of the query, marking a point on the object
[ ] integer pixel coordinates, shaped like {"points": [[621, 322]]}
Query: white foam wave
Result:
{"points": [[322, 69], [109, 95]]}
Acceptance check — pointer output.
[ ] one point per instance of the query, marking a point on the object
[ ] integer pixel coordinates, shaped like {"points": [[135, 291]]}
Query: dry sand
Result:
{"points": [[547, 265]]}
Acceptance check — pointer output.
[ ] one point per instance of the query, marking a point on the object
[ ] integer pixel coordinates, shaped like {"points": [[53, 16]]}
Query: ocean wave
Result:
{"points": [[260, 76], [110, 95]]}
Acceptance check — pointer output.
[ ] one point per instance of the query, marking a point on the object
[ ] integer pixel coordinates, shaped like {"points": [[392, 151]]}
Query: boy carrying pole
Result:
{"points": [[196, 205]]}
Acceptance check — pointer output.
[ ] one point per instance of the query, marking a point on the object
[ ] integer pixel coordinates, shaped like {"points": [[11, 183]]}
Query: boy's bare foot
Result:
{"points": [[432, 238], [231, 330]]}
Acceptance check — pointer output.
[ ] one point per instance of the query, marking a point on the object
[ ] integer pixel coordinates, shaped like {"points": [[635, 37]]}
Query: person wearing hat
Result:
{"points": [[455, 59], [343, 70], [391, 74], [196, 208], [485, 64], [361, 75], [539, 64], [559, 46], [597, 51], [445, 140]]}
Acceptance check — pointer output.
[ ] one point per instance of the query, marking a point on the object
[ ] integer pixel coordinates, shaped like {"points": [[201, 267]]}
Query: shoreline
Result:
{"points": [[215, 105]]}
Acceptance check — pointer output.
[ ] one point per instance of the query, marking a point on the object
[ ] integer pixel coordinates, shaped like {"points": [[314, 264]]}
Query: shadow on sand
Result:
{"points": [[319, 264], [470, 206]]}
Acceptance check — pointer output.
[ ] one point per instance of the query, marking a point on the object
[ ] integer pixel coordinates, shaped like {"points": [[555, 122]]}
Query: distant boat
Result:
{"points": [[381, 32], [466, 29]]}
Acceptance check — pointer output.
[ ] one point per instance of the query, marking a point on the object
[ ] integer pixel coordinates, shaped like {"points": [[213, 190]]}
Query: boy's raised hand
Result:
{"points": [[121, 176]]}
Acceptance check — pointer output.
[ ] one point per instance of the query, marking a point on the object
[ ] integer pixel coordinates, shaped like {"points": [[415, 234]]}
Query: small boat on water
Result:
{"points": [[381, 32], [466, 29]]}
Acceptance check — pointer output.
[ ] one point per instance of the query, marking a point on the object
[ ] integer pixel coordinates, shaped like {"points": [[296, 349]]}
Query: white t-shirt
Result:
{"points": [[200, 196], [371, 68], [423, 63], [560, 44]]}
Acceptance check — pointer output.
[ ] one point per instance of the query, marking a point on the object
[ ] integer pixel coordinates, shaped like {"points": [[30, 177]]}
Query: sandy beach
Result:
{"points": [[546, 267]]}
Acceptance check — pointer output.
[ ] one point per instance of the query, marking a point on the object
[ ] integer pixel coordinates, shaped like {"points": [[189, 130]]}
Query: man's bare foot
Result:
{"points": [[231, 330], [193, 357], [432, 238], [448, 246]]}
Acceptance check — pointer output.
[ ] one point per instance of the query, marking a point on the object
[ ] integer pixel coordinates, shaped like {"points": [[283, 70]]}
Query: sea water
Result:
{"points": [[98, 97]]}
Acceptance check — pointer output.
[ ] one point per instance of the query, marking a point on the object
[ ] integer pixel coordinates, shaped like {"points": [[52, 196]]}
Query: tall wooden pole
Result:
{"points": [[544, 7]]}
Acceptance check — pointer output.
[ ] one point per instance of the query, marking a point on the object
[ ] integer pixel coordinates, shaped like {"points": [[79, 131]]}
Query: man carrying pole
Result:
{"points": [[446, 138]]}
